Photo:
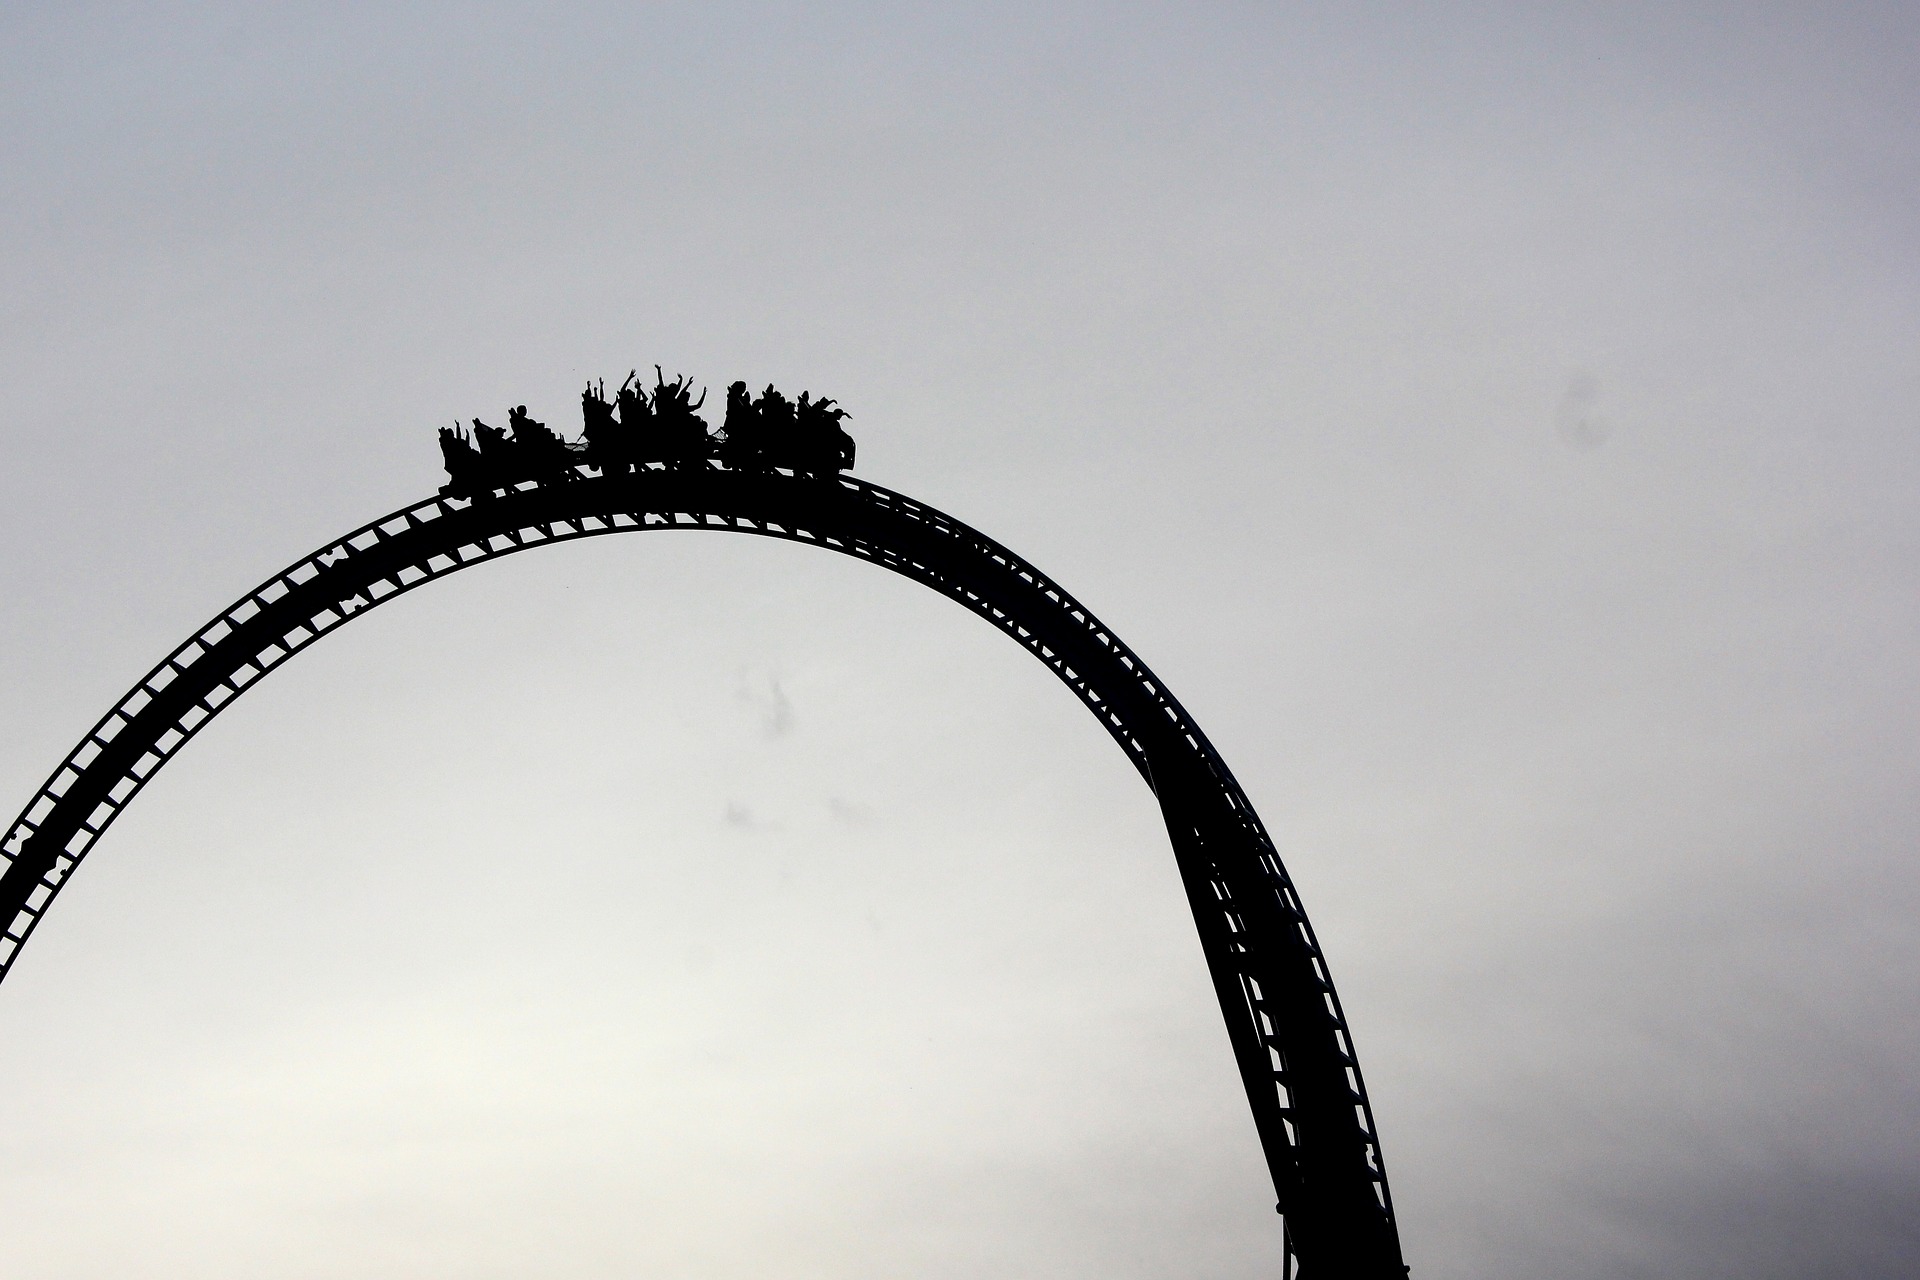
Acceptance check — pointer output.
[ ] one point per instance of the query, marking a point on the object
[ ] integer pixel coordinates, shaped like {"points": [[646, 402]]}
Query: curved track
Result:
{"points": [[1284, 1021]]}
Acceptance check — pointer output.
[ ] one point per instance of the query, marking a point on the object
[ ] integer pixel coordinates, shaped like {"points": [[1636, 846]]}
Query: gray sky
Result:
{"points": [[1499, 430]]}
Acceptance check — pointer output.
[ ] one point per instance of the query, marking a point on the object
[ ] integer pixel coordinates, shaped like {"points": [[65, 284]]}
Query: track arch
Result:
{"points": [[1283, 1018]]}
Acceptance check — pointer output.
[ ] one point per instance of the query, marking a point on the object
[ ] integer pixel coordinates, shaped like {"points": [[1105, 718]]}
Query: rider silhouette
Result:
{"points": [[742, 439], [542, 454], [680, 433], [466, 473], [603, 436]]}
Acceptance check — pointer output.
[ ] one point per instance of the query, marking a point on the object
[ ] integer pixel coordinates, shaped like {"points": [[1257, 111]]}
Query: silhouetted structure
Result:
{"points": [[1284, 1021], [639, 429]]}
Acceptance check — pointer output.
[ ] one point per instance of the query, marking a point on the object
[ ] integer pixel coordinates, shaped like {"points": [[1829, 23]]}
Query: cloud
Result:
{"points": [[1787, 1219], [770, 703], [847, 813], [1576, 420]]}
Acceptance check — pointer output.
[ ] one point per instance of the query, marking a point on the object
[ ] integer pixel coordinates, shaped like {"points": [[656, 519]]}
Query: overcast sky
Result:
{"points": [[1500, 430]]}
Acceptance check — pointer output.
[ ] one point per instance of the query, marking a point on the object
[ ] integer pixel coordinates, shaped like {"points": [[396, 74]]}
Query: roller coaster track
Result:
{"points": [[1283, 1018]]}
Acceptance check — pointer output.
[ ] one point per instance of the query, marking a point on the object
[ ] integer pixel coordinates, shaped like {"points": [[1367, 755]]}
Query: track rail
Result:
{"points": [[1283, 1018]]}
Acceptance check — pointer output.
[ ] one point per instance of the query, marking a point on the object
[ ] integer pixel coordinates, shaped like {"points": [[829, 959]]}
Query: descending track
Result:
{"points": [[1284, 1021]]}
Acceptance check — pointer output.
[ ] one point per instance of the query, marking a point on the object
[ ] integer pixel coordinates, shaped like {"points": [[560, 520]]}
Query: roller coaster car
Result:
{"points": [[539, 453], [491, 459], [805, 437], [665, 427], [820, 443], [679, 436]]}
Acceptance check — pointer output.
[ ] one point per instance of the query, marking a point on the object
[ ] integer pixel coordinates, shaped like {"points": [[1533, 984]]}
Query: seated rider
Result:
{"points": [[465, 471], [602, 435], [499, 460], [741, 439], [543, 455], [820, 445], [680, 433]]}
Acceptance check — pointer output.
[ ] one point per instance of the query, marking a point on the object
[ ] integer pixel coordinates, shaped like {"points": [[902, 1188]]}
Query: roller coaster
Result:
{"points": [[646, 462]]}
